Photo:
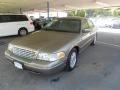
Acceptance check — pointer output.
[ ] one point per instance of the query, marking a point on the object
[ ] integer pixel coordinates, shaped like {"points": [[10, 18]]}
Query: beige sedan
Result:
{"points": [[54, 48]]}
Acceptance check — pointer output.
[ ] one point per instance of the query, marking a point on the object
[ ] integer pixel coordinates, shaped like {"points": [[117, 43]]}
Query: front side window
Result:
{"points": [[64, 25], [91, 25], [87, 26], [21, 18]]}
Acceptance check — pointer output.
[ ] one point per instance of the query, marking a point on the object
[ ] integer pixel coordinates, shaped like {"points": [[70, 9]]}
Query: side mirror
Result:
{"points": [[85, 31]]}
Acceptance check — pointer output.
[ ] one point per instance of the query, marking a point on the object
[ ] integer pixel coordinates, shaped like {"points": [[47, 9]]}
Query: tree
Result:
{"points": [[95, 12], [116, 12], [81, 13]]}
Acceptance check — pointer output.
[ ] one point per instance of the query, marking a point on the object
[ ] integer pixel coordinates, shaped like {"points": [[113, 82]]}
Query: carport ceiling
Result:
{"points": [[15, 5]]}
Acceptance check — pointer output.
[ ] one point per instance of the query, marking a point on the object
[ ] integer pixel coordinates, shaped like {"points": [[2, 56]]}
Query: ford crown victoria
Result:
{"points": [[55, 47]]}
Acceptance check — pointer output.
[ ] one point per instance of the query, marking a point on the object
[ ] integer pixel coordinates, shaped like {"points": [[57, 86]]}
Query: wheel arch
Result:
{"points": [[23, 28], [77, 48]]}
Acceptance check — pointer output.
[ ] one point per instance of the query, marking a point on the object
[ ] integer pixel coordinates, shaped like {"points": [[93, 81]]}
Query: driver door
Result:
{"points": [[86, 32]]}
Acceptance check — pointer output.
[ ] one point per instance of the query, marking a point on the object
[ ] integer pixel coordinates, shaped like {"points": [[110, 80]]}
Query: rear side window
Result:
{"points": [[4, 18], [12, 18]]}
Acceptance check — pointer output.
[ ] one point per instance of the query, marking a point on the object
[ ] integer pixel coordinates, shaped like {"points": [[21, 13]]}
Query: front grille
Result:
{"points": [[24, 53]]}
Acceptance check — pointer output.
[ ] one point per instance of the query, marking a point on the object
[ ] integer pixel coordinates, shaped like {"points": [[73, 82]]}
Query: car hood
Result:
{"points": [[47, 41]]}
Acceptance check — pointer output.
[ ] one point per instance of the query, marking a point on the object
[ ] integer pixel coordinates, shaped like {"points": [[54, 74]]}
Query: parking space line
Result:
{"points": [[108, 44]]}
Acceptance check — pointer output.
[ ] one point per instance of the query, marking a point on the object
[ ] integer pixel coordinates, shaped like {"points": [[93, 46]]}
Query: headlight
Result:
{"points": [[51, 57], [10, 47]]}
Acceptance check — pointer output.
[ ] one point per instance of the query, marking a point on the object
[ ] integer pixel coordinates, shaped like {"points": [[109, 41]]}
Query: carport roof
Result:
{"points": [[15, 5]]}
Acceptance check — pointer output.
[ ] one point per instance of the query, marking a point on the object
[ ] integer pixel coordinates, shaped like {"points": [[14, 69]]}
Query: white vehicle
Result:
{"points": [[15, 25]]}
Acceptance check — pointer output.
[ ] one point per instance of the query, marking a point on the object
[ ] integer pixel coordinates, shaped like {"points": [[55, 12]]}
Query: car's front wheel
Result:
{"points": [[72, 60]]}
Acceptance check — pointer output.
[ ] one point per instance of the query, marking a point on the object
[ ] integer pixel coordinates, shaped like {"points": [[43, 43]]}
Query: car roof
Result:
{"points": [[11, 14], [73, 18]]}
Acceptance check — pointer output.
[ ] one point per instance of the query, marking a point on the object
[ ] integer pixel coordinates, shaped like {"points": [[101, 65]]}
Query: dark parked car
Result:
{"points": [[55, 47], [40, 23]]}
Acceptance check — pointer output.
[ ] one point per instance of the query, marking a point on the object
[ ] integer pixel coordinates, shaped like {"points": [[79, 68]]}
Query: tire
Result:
{"points": [[94, 40], [22, 32], [71, 64]]}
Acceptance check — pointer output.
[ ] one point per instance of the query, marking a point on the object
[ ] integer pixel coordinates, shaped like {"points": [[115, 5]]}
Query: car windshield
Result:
{"points": [[63, 25]]}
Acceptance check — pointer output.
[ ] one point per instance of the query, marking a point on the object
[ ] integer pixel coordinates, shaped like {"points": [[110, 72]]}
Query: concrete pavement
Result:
{"points": [[99, 69]]}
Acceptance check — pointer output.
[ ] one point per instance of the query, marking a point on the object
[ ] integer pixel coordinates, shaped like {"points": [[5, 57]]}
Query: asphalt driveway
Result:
{"points": [[99, 69]]}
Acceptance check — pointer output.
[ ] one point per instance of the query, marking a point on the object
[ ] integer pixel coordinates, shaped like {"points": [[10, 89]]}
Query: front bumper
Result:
{"points": [[40, 66]]}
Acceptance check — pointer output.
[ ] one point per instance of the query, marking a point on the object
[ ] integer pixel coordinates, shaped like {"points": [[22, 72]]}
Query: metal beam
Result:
{"points": [[48, 9]]}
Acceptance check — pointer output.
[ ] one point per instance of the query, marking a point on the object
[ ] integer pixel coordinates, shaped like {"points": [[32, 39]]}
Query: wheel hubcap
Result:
{"points": [[23, 32], [73, 59]]}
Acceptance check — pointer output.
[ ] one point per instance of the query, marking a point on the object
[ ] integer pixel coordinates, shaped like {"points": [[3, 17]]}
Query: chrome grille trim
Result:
{"points": [[29, 54]]}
